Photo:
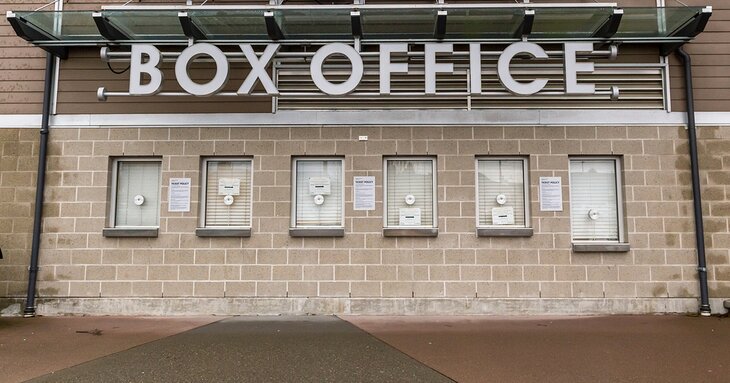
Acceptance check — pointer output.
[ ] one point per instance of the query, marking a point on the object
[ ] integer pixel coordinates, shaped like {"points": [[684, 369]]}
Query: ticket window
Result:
{"points": [[503, 197], [317, 197], [226, 197], [410, 197], [135, 198]]}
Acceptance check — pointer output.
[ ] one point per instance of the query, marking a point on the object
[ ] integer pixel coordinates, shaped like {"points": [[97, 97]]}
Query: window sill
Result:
{"points": [[410, 232], [223, 232], [121, 232], [605, 247], [504, 232], [316, 232]]}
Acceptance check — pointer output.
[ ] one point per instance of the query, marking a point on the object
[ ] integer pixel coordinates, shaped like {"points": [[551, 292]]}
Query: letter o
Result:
{"points": [[221, 69], [322, 83]]}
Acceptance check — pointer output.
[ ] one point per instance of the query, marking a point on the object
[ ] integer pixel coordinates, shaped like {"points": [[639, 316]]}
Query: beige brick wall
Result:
{"points": [[18, 164], [78, 261]]}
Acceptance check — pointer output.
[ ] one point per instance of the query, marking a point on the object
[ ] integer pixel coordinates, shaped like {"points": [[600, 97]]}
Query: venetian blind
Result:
{"points": [[137, 178], [228, 178], [593, 200], [410, 178], [310, 173], [501, 178]]}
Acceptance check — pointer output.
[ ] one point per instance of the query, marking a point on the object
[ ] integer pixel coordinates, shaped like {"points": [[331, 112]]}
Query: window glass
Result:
{"points": [[594, 209], [318, 192], [137, 193], [501, 192], [410, 192], [228, 193]]}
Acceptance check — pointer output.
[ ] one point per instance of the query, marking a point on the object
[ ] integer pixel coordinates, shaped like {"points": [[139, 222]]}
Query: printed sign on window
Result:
{"points": [[503, 216], [410, 216], [319, 185], [229, 186]]}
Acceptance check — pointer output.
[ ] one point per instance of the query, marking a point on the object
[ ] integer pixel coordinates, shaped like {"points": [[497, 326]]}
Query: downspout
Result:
{"points": [[40, 188], [699, 228]]}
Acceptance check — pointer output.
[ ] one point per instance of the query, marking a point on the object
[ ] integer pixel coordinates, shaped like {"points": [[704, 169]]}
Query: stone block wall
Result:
{"points": [[78, 262]]}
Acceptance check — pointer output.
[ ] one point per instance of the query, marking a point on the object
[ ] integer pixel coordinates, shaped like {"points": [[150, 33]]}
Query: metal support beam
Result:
{"points": [[691, 28], [272, 28], [32, 33], [525, 27], [611, 25], [108, 29], [440, 29], [356, 23], [190, 28]]}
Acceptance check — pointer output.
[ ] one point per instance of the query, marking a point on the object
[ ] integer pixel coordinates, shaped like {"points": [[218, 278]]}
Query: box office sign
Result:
{"points": [[146, 59]]}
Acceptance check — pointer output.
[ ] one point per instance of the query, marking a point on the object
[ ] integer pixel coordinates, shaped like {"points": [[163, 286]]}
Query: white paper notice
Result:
{"points": [[503, 216], [551, 194], [319, 186], [364, 190], [229, 186], [409, 216], [179, 195]]}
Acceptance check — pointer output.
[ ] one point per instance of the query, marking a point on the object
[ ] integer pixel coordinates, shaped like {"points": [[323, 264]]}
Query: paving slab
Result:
{"points": [[573, 349], [31, 347], [257, 349]]}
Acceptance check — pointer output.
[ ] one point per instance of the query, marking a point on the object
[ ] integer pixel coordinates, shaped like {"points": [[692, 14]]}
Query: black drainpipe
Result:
{"points": [[699, 228], [40, 187]]}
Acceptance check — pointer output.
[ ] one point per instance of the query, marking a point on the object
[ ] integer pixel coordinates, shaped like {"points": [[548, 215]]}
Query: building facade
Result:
{"points": [[498, 158]]}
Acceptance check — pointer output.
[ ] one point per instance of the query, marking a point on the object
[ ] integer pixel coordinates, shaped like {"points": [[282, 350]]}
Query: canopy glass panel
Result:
{"points": [[654, 22], [312, 24], [394, 24], [244, 24], [568, 22], [66, 25], [147, 25], [475, 23]]}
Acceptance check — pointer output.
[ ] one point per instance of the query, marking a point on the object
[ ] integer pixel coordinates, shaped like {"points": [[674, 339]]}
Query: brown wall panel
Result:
{"points": [[20, 62]]}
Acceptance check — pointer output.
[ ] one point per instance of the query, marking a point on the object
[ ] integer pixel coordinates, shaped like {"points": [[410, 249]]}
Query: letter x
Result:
{"points": [[258, 69]]}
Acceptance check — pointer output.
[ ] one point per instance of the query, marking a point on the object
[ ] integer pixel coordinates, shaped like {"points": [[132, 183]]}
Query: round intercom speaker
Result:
{"points": [[318, 199], [410, 199], [228, 200], [139, 200], [593, 214], [501, 199]]}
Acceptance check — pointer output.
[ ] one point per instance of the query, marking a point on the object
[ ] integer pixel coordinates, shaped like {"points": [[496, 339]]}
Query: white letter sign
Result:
{"points": [[221, 69], [258, 69], [572, 67], [432, 67], [355, 76], [387, 67], [505, 77], [137, 67]]}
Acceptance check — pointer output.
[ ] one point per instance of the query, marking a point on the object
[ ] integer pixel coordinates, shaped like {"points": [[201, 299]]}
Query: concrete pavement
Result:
{"points": [[366, 349]]}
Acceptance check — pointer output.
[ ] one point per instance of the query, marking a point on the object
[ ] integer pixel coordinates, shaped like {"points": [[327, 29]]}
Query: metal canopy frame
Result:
{"points": [[325, 23]]}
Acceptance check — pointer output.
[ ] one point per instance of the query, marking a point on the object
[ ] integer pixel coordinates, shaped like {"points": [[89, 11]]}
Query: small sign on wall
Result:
{"points": [[551, 194], [179, 195], [364, 193]]}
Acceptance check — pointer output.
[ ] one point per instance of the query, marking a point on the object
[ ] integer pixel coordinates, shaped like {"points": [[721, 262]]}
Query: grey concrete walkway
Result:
{"points": [[366, 349]]}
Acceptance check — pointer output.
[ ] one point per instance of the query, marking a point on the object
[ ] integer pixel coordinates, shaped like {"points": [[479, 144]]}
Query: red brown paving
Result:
{"points": [[574, 349], [31, 347]]}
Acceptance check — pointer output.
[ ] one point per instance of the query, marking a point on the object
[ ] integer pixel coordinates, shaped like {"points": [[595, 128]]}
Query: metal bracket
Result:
{"points": [[610, 26], [272, 28], [108, 29], [190, 28], [356, 23], [692, 28], [525, 27], [440, 30], [31, 32]]}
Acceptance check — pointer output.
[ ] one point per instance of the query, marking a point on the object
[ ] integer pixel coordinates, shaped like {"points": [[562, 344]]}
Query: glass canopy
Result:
{"points": [[369, 23]]}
